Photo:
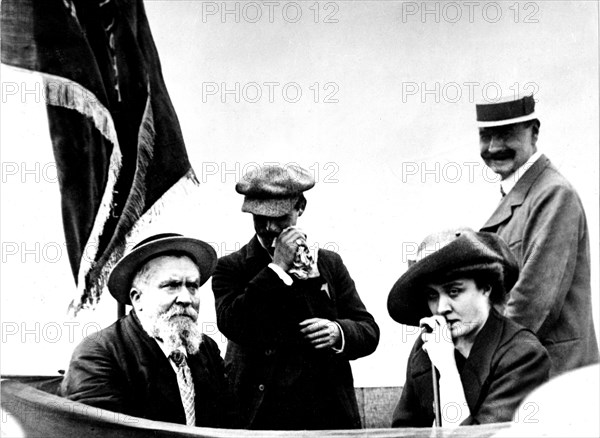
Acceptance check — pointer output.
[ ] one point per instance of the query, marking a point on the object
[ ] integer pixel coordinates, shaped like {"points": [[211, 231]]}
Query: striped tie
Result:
{"points": [[186, 386]]}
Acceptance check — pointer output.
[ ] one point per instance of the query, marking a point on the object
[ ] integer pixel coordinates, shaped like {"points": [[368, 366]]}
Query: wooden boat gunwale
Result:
{"points": [[42, 413]]}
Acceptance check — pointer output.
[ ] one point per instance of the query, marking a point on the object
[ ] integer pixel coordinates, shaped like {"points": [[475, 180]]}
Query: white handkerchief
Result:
{"points": [[305, 262]]}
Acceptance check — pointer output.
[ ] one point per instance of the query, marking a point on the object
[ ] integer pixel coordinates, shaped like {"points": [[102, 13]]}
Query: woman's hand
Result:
{"points": [[438, 343]]}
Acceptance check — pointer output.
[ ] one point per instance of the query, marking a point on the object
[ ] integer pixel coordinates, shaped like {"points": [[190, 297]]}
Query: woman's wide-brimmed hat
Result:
{"points": [[119, 281], [445, 255]]}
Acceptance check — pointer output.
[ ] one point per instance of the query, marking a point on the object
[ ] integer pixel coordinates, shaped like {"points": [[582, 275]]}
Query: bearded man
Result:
{"points": [[155, 363]]}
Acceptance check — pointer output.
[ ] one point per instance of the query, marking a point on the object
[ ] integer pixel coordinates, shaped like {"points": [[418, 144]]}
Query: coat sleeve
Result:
{"points": [[522, 365], [408, 412], [254, 312], [361, 332], [549, 250], [221, 406], [405, 414], [94, 378]]}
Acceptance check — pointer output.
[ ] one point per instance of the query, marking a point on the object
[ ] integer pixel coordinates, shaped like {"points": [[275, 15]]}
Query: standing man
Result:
{"points": [[293, 320], [155, 363], [542, 219]]}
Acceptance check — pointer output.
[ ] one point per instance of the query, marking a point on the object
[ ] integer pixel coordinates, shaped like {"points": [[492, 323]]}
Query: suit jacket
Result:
{"points": [[122, 369], [543, 222], [280, 380], [506, 362]]}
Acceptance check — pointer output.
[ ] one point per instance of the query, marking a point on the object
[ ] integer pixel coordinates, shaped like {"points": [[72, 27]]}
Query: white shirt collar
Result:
{"points": [[511, 180]]}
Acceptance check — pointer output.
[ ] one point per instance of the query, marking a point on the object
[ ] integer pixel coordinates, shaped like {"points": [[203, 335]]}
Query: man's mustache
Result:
{"points": [[179, 310], [502, 155]]}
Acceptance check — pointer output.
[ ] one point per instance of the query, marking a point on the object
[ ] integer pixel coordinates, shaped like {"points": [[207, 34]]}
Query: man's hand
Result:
{"points": [[286, 246], [321, 333], [438, 342]]}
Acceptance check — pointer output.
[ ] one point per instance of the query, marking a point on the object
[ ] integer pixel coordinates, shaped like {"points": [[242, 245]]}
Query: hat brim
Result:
{"points": [[122, 275], [271, 207], [407, 301], [493, 123]]}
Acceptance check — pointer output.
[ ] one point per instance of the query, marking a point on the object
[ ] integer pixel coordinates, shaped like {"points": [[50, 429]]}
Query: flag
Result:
{"points": [[115, 136]]}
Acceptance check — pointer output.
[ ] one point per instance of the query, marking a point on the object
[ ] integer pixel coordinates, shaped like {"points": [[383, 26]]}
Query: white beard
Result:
{"points": [[177, 330]]}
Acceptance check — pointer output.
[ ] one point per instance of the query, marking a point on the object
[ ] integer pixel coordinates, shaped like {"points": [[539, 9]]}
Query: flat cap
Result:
{"points": [[273, 190]]}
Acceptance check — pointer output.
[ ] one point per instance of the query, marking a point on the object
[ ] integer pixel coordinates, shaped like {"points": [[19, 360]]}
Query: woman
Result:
{"points": [[487, 364]]}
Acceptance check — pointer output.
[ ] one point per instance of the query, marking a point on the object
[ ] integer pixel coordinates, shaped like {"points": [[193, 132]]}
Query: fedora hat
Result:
{"points": [[446, 255], [507, 111], [119, 281]]}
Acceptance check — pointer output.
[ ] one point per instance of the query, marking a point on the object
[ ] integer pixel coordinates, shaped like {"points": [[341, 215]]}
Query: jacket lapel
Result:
{"points": [[162, 380], [421, 376], [477, 367], [517, 195], [256, 256], [199, 366]]}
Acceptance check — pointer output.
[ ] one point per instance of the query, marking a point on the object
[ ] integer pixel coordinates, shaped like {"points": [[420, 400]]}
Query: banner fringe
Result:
{"points": [[184, 187]]}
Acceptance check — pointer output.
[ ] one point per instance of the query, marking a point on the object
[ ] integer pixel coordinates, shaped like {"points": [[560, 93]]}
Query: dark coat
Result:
{"points": [[122, 369], [506, 362], [280, 380], [543, 222]]}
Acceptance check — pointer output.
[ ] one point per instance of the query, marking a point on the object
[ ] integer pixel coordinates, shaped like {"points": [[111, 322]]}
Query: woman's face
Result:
{"points": [[465, 306]]}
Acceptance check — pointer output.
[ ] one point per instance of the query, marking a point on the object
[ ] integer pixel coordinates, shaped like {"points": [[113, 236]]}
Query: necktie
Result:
{"points": [[502, 192], [186, 386]]}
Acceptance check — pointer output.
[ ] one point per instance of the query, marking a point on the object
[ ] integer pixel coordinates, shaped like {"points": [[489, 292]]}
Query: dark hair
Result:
{"points": [[494, 278], [300, 203], [535, 124]]}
